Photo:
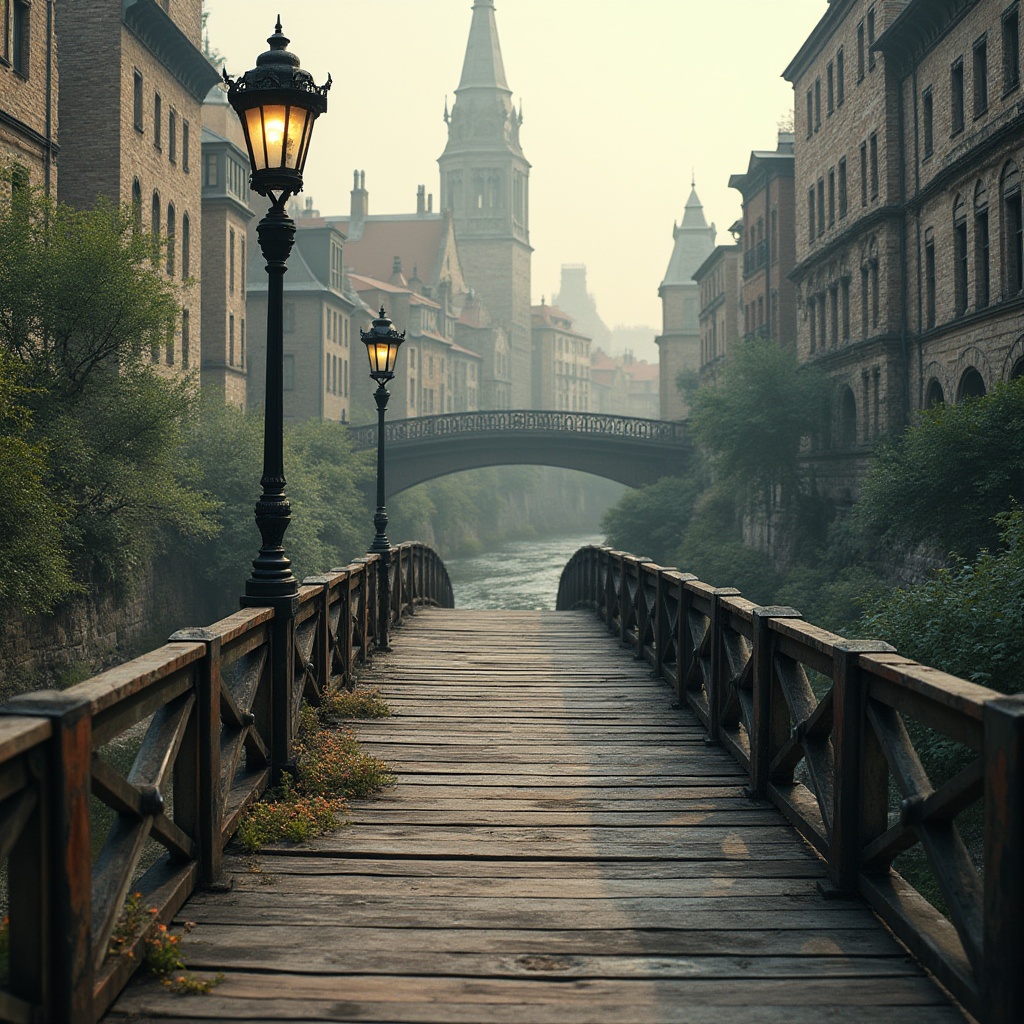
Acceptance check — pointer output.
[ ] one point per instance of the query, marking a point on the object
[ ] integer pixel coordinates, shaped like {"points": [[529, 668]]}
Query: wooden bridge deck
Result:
{"points": [[562, 846]]}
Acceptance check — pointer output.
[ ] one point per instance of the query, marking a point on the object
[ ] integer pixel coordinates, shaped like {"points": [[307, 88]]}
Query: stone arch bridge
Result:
{"points": [[627, 449]]}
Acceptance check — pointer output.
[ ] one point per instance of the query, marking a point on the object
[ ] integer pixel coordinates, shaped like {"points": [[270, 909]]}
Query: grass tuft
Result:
{"points": [[362, 702]]}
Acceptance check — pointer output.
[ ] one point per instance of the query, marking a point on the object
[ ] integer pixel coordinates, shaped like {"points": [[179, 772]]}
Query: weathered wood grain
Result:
{"points": [[562, 847]]}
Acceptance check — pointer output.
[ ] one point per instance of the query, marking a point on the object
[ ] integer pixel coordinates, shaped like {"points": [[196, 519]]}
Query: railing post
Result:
{"points": [[197, 804], [282, 686], [1003, 981], [63, 930], [610, 598], [719, 663], [770, 725], [861, 774], [321, 652]]}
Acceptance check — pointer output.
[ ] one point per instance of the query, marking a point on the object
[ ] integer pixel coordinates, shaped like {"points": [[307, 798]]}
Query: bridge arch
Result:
{"points": [[626, 449]]}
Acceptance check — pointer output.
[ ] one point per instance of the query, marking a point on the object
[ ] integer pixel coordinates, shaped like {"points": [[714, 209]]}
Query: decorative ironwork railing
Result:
{"points": [[831, 731], [526, 421], [207, 721]]}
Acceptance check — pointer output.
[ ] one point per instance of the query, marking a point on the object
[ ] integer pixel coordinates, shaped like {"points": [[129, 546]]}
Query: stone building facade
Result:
{"points": [[679, 341], [720, 281], [485, 185], [29, 91], [321, 320], [849, 273], [132, 126], [769, 243], [561, 368], [580, 304], [226, 216], [957, 71]]}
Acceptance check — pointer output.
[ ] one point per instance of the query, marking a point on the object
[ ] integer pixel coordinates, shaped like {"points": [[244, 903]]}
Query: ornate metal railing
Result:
{"points": [[830, 731], [527, 421], [207, 722]]}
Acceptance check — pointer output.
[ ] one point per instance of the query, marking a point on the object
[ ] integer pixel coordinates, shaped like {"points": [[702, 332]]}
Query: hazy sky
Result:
{"points": [[622, 99]]}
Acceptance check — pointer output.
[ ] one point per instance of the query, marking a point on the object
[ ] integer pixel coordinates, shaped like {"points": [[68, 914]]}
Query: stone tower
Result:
{"points": [[679, 341], [485, 183]]}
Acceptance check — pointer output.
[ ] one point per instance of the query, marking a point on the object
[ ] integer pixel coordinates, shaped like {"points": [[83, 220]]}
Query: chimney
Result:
{"points": [[360, 198], [397, 277], [421, 199]]}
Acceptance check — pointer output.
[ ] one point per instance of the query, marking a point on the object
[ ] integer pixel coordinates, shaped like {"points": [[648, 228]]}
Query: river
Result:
{"points": [[522, 574]]}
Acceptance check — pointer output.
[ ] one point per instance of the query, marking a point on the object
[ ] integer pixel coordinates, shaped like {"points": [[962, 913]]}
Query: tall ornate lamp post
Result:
{"points": [[382, 342], [277, 103]]}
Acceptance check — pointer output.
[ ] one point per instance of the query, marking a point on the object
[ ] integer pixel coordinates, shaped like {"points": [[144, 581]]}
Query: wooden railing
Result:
{"points": [[824, 727], [207, 722]]}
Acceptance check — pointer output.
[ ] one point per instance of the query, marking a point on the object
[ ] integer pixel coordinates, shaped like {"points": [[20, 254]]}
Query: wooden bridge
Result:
{"points": [[571, 839]]}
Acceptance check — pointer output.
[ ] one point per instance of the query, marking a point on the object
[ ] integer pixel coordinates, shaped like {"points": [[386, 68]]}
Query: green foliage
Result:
{"points": [[965, 619], [325, 486], [38, 571], [942, 481], [650, 520], [753, 420], [81, 309]]}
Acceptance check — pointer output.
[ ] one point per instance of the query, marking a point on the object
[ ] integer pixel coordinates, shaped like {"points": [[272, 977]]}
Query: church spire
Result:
{"points": [[483, 66]]}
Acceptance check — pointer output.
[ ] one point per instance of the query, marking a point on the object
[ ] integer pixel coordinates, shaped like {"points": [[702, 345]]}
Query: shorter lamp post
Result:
{"points": [[382, 342], [277, 103]]}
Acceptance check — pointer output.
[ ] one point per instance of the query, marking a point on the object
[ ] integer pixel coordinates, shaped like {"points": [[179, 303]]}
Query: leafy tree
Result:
{"points": [[331, 523], [965, 619], [753, 420], [81, 308], [37, 573], [945, 479]]}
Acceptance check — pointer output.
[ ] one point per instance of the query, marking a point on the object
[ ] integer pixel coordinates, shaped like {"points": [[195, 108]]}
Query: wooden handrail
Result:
{"points": [[824, 727], [214, 725]]}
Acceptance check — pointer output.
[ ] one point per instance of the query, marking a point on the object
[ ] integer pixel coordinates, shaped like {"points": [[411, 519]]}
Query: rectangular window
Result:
{"points": [[289, 317], [288, 371], [172, 137], [873, 145], [840, 77], [832, 198], [157, 118], [864, 285], [186, 343], [21, 35], [210, 170], [231, 261], [810, 214], [231, 339], [821, 206], [812, 322], [956, 96], [137, 117], [817, 104], [834, 309], [843, 202], [830, 79], [241, 269], [1011, 48], [844, 296], [981, 259], [863, 174], [928, 120], [960, 267], [929, 281], [860, 51], [810, 112], [1014, 218], [871, 37], [980, 76], [184, 146]]}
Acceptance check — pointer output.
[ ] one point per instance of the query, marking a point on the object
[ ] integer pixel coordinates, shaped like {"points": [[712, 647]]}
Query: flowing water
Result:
{"points": [[522, 574]]}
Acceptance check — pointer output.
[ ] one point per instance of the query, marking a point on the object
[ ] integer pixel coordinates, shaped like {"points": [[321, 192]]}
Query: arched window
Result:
{"points": [[155, 228], [959, 255], [171, 228], [982, 290], [137, 205], [847, 419], [934, 395], [186, 244], [1018, 369], [1013, 231], [972, 385]]}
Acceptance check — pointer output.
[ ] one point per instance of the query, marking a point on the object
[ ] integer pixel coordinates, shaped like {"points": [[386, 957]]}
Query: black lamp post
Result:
{"points": [[382, 343], [277, 103]]}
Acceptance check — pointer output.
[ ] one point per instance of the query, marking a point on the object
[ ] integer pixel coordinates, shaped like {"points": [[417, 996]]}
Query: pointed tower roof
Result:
{"points": [[694, 242], [483, 67]]}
